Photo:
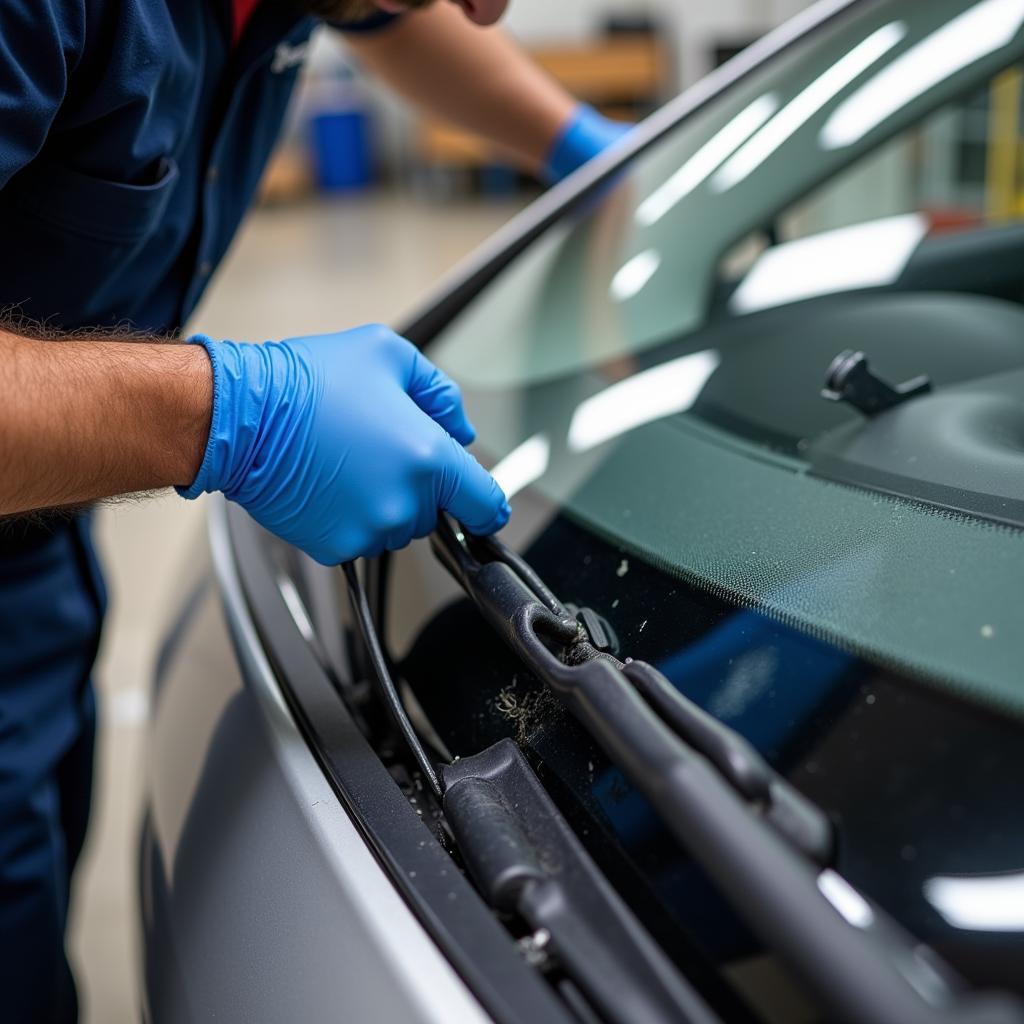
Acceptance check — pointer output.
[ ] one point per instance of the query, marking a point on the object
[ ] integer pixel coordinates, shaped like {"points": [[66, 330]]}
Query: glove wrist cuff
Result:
{"points": [[584, 135], [206, 478]]}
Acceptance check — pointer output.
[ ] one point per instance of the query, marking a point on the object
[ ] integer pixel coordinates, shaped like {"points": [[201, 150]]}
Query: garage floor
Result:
{"points": [[293, 271]]}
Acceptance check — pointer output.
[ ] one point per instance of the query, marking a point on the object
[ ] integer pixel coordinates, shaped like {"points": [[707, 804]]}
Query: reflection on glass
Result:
{"points": [[845, 899], [524, 465], [983, 29], [987, 903], [868, 255], [647, 396], [632, 276], [807, 103], [706, 160]]}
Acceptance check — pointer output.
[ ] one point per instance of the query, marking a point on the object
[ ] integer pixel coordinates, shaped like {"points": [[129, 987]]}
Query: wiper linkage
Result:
{"points": [[765, 846]]}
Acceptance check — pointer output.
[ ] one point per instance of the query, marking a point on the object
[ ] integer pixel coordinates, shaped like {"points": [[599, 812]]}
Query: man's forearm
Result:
{"points": [[87, 419], [476, 78]]}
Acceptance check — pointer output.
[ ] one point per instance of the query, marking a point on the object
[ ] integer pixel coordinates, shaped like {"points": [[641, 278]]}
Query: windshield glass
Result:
{"points": [[655, 363]]}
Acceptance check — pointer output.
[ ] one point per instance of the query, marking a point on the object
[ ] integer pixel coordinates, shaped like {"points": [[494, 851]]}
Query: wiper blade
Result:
{"points": [[711, 790], [783, 806]]}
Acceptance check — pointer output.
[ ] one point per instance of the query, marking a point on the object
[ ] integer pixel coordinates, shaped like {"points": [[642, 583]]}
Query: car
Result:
{"points": [[728, 723]]}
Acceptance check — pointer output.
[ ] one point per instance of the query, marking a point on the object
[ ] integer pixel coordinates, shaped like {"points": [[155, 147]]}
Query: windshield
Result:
{"points": [[655, 363]]}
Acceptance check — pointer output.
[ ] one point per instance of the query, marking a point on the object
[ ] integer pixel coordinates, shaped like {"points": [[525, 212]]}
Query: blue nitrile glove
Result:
{"points": [[343, 444], [586, 134]]}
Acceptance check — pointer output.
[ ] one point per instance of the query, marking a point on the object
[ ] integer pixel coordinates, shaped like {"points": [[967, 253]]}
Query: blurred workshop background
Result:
{"points": [[625, 57], [419, 196]]}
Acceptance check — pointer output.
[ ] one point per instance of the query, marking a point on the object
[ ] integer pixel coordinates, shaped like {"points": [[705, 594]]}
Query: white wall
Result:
{"points": [[693, 26], [543, 21]]}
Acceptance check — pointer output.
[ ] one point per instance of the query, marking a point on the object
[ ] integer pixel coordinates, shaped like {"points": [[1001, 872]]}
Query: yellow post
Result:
{"points": [[1003, 198]]}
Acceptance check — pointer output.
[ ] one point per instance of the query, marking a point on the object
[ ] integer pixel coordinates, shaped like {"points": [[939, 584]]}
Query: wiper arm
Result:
{"points": [[784, 807], [711, 790]]}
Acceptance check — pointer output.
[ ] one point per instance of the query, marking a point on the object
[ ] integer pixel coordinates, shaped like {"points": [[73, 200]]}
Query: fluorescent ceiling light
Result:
{"points": [[981, 30], [524, 465], [806, 104], [661, 391], [867, 255], [632, 276], [706, 160], [850, 904], [985, 903]]}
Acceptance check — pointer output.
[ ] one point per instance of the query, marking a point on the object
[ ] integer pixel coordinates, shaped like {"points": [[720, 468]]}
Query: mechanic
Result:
{"points": [[134, 133]]}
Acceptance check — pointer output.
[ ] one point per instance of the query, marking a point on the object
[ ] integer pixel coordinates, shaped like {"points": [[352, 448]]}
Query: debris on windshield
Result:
{"points": [[622, 569], [526, 710]]}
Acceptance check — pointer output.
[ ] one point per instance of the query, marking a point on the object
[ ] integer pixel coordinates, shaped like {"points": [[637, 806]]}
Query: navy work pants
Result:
{"points": [[51, 610]]}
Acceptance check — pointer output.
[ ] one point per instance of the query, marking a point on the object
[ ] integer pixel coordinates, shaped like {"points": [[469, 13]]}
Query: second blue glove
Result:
{"points": [[585, 135], [343, 444]]}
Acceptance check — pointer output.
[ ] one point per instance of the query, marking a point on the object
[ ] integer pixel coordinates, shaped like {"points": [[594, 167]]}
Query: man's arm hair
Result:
{"points": [[474, 77], [85, 417]]}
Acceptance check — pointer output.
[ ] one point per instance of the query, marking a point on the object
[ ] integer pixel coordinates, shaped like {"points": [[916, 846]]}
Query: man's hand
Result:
{"points": [[343, 444]]}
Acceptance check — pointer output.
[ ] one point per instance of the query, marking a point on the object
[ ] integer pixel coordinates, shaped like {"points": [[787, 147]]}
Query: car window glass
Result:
{"points": [[641, 265], [655, 364]]}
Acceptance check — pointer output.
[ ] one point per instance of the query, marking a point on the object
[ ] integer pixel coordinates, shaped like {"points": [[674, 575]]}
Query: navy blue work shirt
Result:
{"points": [[132, 139]]}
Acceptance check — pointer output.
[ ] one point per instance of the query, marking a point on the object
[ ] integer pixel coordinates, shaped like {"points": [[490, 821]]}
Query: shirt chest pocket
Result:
{"points": [[74, 242]]}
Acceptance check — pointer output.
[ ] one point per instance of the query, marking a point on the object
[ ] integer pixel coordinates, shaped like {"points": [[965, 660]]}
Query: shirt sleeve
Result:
{"points": [[40, 44], [372, 24]]}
